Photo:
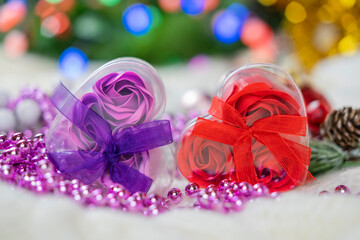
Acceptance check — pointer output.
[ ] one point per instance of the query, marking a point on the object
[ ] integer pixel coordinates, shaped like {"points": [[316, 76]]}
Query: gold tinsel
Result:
{"points": [[320, 28]]}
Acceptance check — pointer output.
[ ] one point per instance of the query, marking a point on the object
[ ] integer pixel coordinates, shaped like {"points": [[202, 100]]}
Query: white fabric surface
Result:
{"points": [[298, 214]]}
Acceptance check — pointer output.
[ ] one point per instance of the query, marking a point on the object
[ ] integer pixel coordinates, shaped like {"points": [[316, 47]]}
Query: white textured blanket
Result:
{"points": [[298, 214]]}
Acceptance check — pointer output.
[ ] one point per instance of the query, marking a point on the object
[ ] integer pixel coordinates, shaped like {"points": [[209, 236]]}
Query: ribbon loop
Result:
{"points": [[89, 166], [292, 157]]}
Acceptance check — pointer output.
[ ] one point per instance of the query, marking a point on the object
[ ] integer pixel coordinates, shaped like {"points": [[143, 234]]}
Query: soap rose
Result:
{"points": [[257, 101], [205, 162], [261, 100], [125, 101], [269, 171]]}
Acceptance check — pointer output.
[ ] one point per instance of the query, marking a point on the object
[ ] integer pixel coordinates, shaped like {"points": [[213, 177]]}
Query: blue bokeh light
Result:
{"points": [[193, 7], [239, 10], [23, 1], [137, 19], [229, 23], [73, 63]]}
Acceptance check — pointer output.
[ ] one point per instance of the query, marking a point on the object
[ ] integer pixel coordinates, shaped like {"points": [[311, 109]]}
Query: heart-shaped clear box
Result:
{"points": [[208, 162], [125, 103]]}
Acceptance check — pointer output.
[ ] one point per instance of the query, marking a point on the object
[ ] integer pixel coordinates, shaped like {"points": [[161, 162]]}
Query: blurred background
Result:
{"points": [[192, 42]]}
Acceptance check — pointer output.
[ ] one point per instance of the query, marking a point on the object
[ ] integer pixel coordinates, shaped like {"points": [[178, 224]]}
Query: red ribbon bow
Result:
{"points": [[292, 157]]}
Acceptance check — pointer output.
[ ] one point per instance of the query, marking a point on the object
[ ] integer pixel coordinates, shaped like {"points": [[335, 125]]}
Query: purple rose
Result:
{"points": [[124, 99], [81, 139]]}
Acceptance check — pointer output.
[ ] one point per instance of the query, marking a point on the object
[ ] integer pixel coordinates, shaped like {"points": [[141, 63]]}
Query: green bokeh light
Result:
{"points": [[157, 16], [109, 3], [54, 1]]}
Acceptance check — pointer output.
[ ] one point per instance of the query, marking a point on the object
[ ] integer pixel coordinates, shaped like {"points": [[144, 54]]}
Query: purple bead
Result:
{"points": [[237, 204], [230, 193], [112, 201], [245, 189], [18, 136], [63, 186], [44, 167], [12, 153], [7, 172], [165, 203], [342, 189], [151, 210], [174, 195], [234, 186], [207, 201], [274, 195], [197, 205], [115, 188], [212, 191], [135, 202], [152, 199], [324, 193], [96, 198], [123, 194], [3, 142], [211, 188], [192, 190], [260, 190], [84, 192], [224, 185], [39, 141], [39, 137]]}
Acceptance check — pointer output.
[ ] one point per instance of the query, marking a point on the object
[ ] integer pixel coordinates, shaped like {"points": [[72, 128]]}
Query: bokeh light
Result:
{"points": [[44, 8], [157, 16], [15, 44], [256, 32], [137, 19], [73, 63], [267, 2], [348, 3], [89, 27], [348, 45], [169, 5], [55, 25], [109, 3], [11, 14], [193, 7], [211, 5], [264, 53], [54, 1], [295, 12], [228, 24], [199, 63]]}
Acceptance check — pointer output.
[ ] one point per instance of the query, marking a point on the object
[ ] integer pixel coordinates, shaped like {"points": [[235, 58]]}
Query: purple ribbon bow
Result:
{"points": [[87, 166]]}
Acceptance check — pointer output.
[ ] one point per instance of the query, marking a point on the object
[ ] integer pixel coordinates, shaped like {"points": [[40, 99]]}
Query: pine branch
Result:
{"points": [[326, 156]]}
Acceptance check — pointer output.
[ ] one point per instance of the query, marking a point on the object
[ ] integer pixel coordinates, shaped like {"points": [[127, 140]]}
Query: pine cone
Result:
{"points": [[343, 127]]}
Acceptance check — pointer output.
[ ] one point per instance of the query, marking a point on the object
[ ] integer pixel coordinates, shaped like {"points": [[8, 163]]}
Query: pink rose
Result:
{"points": [[124, 99]]}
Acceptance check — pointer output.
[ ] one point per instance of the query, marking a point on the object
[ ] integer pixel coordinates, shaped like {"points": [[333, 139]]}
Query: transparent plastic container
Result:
{"points": [[129, 92], [256, 91]]}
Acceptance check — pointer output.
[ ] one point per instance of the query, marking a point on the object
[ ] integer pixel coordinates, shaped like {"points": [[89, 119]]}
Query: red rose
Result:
{"points": [[208, 162], [205, 162], [269, 172], [260, 100]]}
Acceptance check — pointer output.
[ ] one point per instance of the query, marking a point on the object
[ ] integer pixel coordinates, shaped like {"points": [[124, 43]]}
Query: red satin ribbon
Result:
{"points": [[293, 157]]}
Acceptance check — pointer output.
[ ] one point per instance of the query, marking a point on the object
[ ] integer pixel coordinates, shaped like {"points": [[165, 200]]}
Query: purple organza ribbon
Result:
{"points": [[88, 166]]}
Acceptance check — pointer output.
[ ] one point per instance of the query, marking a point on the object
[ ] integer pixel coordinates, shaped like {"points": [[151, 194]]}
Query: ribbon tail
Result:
{"points": [[243, 161], [304, 154], [130, 178], [82, 165], [288, 156]]}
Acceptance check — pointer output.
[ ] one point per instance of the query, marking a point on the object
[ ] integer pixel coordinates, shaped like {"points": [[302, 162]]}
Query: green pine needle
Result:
{"points": [[326, 156]]}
